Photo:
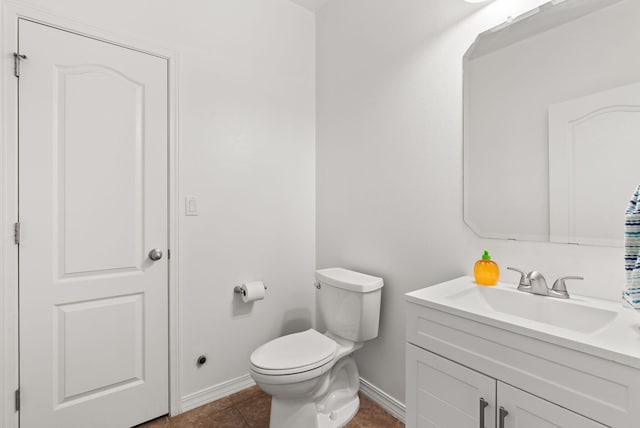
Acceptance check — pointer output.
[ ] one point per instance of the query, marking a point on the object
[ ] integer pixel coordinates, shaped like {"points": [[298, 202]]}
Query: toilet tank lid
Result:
{"points": [[349, 280]]}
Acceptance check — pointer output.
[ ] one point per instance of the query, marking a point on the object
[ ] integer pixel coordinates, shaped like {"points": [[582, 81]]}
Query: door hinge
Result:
{"points": [[16, 63], [16, 233], [17, 400]]}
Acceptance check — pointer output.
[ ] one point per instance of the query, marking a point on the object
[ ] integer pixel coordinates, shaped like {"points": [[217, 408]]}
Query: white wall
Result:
{"points": [[247, 95], [389, 162]]}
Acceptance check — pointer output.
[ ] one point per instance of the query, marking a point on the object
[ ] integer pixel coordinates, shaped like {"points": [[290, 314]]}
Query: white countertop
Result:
{"points": [[618, 339]]}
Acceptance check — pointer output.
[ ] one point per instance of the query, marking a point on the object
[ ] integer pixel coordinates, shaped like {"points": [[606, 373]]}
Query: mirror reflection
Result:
{"points": [[552, 123]]}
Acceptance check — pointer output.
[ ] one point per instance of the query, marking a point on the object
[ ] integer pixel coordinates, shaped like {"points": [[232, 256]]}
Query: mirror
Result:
{"points": [[552, 123]]}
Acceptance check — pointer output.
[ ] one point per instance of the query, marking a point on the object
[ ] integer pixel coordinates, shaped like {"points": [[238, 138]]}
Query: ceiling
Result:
{"points": [[312, 5]]}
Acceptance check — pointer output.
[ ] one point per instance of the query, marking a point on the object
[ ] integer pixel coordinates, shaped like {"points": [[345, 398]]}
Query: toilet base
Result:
{"points": [[333, 405], [290, 413], [340, 416], [296, 414]]}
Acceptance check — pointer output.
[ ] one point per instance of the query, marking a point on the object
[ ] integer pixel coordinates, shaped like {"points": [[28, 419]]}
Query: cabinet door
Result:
{"points": [[444, 394], [528, 411]]}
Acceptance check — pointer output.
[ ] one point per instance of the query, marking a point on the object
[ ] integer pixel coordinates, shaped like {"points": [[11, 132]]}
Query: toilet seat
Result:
{"points": [[295, 353]]}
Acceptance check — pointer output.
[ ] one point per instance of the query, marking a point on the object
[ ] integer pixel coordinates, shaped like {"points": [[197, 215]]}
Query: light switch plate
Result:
{"points": [[190, 205]]}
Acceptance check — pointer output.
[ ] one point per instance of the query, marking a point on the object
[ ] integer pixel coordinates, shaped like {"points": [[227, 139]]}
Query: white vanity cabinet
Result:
{"points": [[548, 362], [442, 393]]}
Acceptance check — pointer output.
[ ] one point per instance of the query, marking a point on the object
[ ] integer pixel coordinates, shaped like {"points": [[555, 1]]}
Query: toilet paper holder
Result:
{"points": [[238, 289]]}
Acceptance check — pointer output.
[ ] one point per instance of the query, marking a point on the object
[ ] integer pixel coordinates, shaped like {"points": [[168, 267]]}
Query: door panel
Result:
{"points": [[446, 394], [115, 344], [528, 411], [93, 203]]}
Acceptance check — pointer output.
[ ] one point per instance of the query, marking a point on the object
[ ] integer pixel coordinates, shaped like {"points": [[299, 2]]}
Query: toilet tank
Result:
{"points": [[349, 303]]}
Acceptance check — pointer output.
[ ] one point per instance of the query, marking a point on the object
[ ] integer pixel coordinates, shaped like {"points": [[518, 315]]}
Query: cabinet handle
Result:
{"points": [[483, 405], [503, 414]]}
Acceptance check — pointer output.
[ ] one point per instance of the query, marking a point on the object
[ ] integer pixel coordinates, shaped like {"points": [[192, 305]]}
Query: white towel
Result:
{"points": [[632, 250]]}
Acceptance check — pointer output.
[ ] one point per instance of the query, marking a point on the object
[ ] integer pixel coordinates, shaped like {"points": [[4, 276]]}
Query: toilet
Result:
{"points": [[312, 377]]}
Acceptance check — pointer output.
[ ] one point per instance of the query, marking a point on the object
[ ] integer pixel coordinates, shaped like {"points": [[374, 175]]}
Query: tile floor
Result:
{"points": [[250, 408]]}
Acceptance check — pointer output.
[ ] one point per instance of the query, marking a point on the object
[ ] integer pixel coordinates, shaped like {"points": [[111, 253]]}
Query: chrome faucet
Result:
{"points": [[538, 284], [534, 282]]}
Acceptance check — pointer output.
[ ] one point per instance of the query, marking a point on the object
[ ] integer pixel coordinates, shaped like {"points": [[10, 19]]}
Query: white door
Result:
{"points": [[93, 203], [593, 165], [444, 394], [523, 410]]}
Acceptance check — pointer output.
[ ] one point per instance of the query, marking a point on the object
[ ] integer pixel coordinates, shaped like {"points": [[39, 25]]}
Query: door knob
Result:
{"points": [[155, 254]]}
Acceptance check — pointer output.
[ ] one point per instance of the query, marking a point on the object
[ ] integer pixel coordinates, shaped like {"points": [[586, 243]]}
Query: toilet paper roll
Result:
{"points": [[252, 291]]}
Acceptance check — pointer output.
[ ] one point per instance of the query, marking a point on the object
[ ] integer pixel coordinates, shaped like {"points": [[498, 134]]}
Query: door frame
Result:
{"points": [[11, 11]]}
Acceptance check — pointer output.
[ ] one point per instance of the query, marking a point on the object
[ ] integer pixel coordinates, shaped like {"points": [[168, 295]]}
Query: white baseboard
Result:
{"points": [[216, 392], [384, 400]]}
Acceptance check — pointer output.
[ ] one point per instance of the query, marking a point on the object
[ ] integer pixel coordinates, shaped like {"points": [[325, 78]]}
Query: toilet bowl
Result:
{"points": [[313, 377]]}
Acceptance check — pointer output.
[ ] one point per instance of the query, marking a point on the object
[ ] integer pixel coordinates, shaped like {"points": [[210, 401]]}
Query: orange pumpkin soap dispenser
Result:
{"points": [[486, 271]]}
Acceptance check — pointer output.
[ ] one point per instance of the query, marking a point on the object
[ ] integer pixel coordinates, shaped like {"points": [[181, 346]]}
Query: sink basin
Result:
{"points": [[567, 314]]}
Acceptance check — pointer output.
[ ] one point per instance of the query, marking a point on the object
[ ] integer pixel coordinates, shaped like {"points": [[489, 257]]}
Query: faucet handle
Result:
{"points": [[524, 283], [559, 288]]}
